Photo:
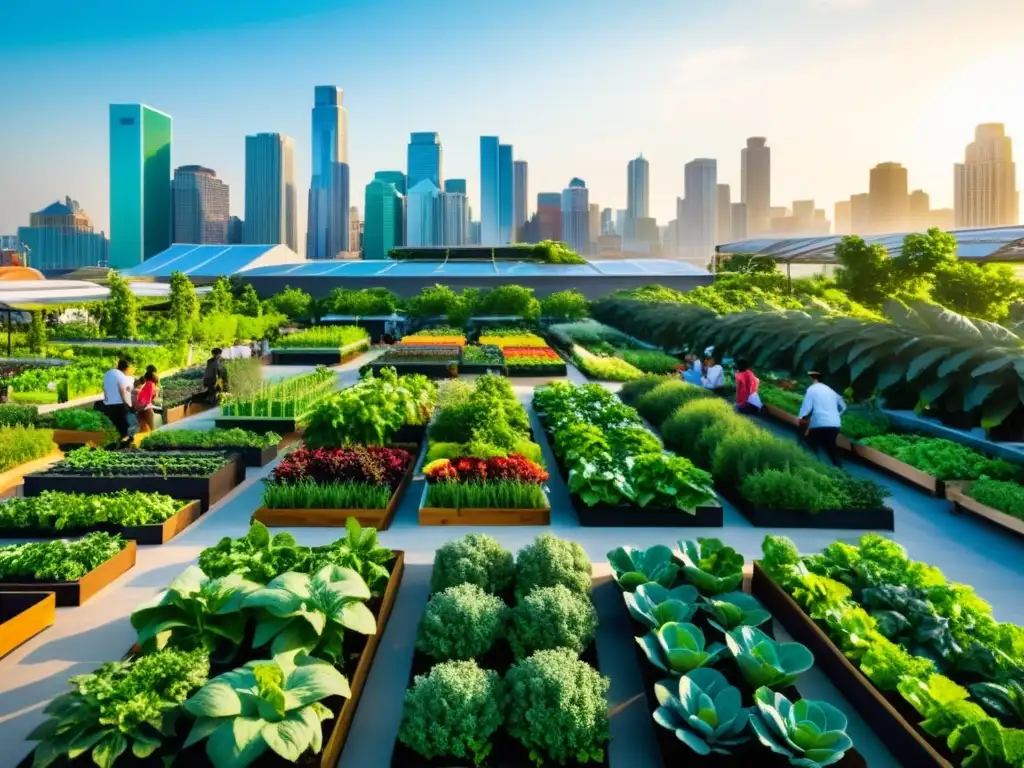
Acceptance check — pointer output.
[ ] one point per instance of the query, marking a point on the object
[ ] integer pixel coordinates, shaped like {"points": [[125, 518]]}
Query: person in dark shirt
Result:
{"points": [[215, 377]]}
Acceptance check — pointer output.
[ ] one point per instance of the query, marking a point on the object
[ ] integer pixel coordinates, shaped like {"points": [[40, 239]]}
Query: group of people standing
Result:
{"points": [[126, 399]]}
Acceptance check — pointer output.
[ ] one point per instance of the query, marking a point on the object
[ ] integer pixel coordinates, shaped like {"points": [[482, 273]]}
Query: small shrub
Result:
{"points": [[477, 559], [685, 431], [999, 494], [19, 445], [650, 360], [552, 617], [660, 403], [460, 623], [549, 561], [744, 452], [632, 391]]}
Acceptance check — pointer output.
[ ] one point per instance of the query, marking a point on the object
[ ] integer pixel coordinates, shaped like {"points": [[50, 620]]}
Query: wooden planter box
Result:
{"points": [[23, 615], [74, 593], [957, 493], [179, 412], [484, 516], [81, 437], [208, 490], [778, 414], [335, 518], [258, 424], [907, 744], [898, 469], [14, 476], [435, 371], [843, 519], [605, 515], [248, 456], [155, 533]]}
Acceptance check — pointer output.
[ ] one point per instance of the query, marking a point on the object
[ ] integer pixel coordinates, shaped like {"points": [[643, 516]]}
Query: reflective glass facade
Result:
{"points": [[425, 159], [489, 175], [328, 224], [383, 226], [506, 194]]}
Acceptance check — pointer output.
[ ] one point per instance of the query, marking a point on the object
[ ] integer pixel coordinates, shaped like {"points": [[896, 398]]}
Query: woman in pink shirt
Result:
{"points": [[747, 399], [144, 401]]}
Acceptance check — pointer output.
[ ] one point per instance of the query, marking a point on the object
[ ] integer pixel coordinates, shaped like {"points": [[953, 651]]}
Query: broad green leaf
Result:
{"points": [[215, 699], [289, 737], [358, 618], [236, 743], [109, 748], [314, 682], [922, 362]]}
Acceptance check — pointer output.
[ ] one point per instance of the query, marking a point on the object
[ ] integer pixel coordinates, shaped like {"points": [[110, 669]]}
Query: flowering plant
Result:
{"points": [[465, 469], [546, 353], [523, 340], [361, 464]]}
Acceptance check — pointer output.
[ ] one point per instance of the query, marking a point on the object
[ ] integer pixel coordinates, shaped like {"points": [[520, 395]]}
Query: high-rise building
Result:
{"points": [[739, 222], [723, 231], [607, 221], [456, 219], [985, 184], [270, 194], [756, 184], [490, 226], [805, 219], [140, 183], [842, 216], [620, 222], [384, 225], [425, 159], [700, 221], [355, 230], [520, 201], [61, 237], [202, 206], [860, 214], [424, 215], [890, 202], [457, 186], [506, 194], [576, 216], [594, 226], [236, 231], [546, 223], [398, 178], [474, 233], [328, 231], [919, 210], [638, 197]]}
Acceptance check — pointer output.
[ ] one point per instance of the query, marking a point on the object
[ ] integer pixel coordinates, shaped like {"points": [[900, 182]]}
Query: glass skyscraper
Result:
{"points": [[424, 215], [425, 160], [490, 227], [61, 237], [576, 216], [140, 184], [455, 186], [520, 201], [506, 193], [270, 201], [398, 178], [383, 226], [201, 206], [328, 232]]}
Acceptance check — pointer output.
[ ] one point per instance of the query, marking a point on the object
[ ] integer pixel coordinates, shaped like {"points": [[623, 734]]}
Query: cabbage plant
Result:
{"points": [[765, 662], [634, 567], [710, 566], [703, 711], [679, 648], [734, 609], [655, 606], [810, 733]]}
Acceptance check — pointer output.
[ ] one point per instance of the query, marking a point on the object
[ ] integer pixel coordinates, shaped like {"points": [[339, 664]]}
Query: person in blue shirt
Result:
{"points": [[822, 410], [692, 373]]}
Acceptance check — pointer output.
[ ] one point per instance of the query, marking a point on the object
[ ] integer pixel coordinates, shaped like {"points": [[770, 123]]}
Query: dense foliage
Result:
{"points": [[209, 438], [942, 459], [291, 398], [462, 622], [551, 617], [344, 337], [476, 559], [19, 445], [60, 559], [97, 462], [58, 511]]}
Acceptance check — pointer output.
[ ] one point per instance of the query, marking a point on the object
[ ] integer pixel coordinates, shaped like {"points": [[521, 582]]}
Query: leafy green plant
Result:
{"points": [[476, 558], [265, 705], [80, 419], [462, 622], [60, 559], [492, 494], [19, 445], [551, 617], [537, 717], [453, 712], [257, 556], [734, 609], [809, 733], [209, 438], [549, 561], [655, 606], [565, 305], [99, 462], [58, 511], [603, 368], [703, 711], [632, 391], [1003, 701], [1002, 495], [941, 458], [858, 424], [649, 360], [679, 648], [635, 567], [18, 415], [710, 566], [765, 662], [358, 550]]}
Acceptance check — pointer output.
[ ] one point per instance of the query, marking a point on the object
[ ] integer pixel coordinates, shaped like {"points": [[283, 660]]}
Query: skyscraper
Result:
{"points": [[756, 184], [593, 227], [425, 160], [638, 195], [520, 203], [985, 183], [890, 203], [201, 206], [700, 219], [61, 237], [723, 229], [860, 214], [355, 230], [576, 216], [457, 186], [547, 221], [919, 212], [739, 222], [607, 221], [270, 199], [490, 226], [140, 183], [398, 178], [384, 225], [424, 215], [328, 231], [456, 219], [843, 225], [506, 194]]}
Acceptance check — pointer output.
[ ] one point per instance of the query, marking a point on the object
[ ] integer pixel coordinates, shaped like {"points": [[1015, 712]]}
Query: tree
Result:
{"points": [[865, 271], [219, 300], [508, 300], [439, 300], [121, 310], [249, 303], [37, 333], [746, 263], [984, 291], [291, 302], [913, 270], [565, 305], [184, 306], [368, 301]]}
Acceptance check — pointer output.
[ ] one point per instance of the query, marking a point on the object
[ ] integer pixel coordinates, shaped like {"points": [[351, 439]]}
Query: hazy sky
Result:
{"points": [[579, 87]]}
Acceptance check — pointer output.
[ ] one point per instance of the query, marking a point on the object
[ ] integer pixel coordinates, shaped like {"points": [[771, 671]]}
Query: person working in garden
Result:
{"points": [[691, 370], [145, 394], [117, 396], [822, 410], [215, 377], [714, 374], [747, 398]]}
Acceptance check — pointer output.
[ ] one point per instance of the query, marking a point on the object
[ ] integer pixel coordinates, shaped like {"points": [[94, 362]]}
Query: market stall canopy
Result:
{"points": [[39, 294]]}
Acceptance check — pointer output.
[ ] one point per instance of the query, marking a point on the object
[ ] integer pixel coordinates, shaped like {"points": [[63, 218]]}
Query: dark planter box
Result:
{"points": [[841, 519], [250, 456], [430, 370], [258, 424], [410, 434], [207, 490], [155, 533], [481, 368], [555, 369], [605, 515], [326, 357], [908, 745], [74, 593]]}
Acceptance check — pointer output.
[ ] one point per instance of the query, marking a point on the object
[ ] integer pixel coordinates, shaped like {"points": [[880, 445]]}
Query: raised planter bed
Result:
{"points": [[902, 738], [249, 456], [258, 424], [957, 493], [316, 355], [605, 515], [14, 476], [208, 490], [179, 412], [898, 469], [23, 615], [843, 519], [481, 368], [430, 370], [780, 415], [74, 593], [155, 533], [81, 437], [483, 516], [335, 518], [533, 371]]}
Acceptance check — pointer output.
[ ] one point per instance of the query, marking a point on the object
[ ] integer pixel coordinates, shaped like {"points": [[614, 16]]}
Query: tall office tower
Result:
{"points": [[201, 206], [140, 183], [328, 226], [520, 200], [506, 194], [985, 184], [424, 215], [425, 160], [919, 211], [860, 215], [576, 216], [594, 226], [607, 221], [490, 227], [756, 184], [355, 230], [458, 186], [739, 222], [398, 178], [456, 219], [843, 218], [638, 197], [723, 229], [474, 233], [270, 199], [548, 217], [620, 222], [61, 237], [236, 231], [890, 202], [701, 210], [385, 221]]}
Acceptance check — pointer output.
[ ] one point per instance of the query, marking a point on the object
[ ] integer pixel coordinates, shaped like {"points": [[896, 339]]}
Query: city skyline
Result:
{"points": [[928, 120]]}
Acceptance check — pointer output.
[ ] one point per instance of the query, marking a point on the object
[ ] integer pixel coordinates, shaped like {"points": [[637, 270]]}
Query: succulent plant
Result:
{"points": [[679, 648], [703, 711], [765, 662], [656, 606], [810, 733], [735, 609], [635, 567], [710, 566]]}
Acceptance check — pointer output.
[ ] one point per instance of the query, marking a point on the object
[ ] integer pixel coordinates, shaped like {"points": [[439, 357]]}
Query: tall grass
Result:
{"points": [[309, 495], [495, 494]]}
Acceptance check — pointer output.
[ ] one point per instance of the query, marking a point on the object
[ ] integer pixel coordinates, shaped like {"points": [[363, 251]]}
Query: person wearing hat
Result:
{"points": [[822, 411]]}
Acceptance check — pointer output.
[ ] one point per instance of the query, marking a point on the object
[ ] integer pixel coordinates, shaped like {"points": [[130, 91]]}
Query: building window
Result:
{"points": [[127, 121]]}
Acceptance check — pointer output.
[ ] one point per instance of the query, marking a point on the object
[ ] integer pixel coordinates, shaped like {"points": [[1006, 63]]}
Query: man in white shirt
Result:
{"points": [[824, 408], [714, 375], [117, 396]]}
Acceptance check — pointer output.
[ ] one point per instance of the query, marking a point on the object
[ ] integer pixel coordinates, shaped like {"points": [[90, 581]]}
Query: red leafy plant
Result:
{"points": [[465, 469], [359, 464]]}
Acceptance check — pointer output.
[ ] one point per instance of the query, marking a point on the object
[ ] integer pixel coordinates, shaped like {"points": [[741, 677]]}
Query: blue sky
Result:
{"points": [[577, 86]]}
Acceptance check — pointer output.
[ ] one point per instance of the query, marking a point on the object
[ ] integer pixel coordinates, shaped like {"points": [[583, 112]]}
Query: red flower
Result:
{"points": [[360, 464]]}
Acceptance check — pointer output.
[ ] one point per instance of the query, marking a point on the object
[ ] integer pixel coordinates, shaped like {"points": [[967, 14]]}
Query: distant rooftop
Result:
{"points": [[213, 260]]}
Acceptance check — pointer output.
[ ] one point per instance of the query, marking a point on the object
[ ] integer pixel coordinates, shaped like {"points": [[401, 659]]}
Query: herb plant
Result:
{"points": [[477, 559], [58, 511], [209, 438], [60, 559], [257, 556], [19, 445], [551, 617], [462, 622], [549, 561], [942, 459]]}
